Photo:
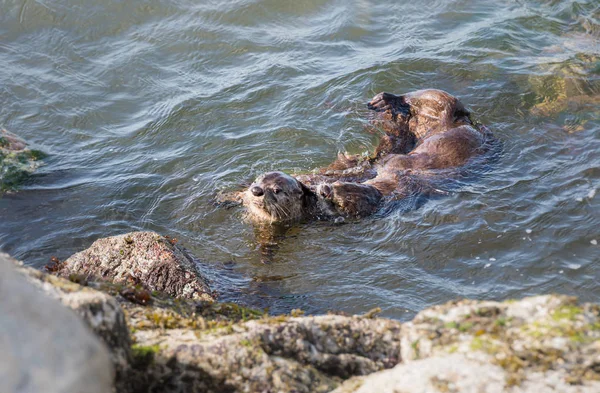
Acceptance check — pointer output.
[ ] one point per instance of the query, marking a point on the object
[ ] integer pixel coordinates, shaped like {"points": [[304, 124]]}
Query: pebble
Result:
{"points": [[594, 242], [528, 230], [561, 272], [487, 265], [592, 193], [574, 266], [492, 259]]}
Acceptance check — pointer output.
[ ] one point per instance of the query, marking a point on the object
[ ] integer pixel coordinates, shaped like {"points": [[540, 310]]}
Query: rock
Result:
{"points": [[270, 354], [538, 344], [44, 347], [189, 345], [101, 312], [144, 258], [17, 161]]}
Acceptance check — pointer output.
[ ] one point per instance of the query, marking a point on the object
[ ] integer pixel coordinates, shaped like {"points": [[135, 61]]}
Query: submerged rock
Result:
{"points": [[17, 161], [44, 347], [141, 258]]}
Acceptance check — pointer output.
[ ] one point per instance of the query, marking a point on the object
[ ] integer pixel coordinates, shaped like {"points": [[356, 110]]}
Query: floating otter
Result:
{"points": [[427, 132]]}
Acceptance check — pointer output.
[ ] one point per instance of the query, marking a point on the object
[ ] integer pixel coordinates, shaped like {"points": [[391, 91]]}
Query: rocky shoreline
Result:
{"points": [[143, 297]]}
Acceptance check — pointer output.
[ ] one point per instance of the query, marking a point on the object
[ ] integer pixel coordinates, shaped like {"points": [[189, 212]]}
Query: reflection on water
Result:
{"points": [[149, 109]]}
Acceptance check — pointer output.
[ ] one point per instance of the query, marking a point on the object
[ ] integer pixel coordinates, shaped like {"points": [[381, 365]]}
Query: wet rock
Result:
{"points": [[17, 161], [44, 347], [141, 258], [277, 354], [564, 89], [543, 343]]}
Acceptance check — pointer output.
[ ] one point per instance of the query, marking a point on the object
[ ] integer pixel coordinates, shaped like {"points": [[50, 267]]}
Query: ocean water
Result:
{"points": [[147, 109]]}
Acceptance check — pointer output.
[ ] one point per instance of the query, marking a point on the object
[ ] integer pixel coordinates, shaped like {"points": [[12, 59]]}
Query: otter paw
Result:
{"points": [[325, 191], [383, 102]]}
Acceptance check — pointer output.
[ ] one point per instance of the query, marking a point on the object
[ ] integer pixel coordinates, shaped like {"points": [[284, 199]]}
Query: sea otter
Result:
{"points": [[427, 132]]}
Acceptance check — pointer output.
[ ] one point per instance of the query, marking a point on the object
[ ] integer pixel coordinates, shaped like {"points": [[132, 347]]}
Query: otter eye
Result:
{"points": [[276, 190]]}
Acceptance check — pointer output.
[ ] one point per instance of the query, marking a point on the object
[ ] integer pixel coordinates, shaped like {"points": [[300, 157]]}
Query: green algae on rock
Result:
{"points": [[537, 344], [17, 161]]}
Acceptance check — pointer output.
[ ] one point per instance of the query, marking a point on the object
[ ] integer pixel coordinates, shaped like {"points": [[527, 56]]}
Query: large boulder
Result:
{"points": [[44, 346], [538, 344], [100, 311], [269, 354], [17, 161], [141, 258]]}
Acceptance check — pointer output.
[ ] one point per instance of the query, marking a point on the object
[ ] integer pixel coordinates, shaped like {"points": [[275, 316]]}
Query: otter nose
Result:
{"points": [[257, 191]]}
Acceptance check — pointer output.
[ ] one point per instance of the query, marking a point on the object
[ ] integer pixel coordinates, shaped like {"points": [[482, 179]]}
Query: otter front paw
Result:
{"points": [[383, 102]]}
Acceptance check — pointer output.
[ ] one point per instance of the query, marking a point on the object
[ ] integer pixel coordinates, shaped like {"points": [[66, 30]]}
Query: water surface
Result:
{"points": [[147, 109]]}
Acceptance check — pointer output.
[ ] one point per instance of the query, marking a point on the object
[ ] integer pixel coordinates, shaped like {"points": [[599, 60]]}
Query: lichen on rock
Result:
{"points": [[537, 344], [141, 258]]}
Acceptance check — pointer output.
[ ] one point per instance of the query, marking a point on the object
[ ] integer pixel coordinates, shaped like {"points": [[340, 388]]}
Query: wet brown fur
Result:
{"points": [[425, 131]]}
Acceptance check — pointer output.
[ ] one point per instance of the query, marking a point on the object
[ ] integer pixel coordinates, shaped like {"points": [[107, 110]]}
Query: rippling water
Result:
{"points": [[148, 109]]}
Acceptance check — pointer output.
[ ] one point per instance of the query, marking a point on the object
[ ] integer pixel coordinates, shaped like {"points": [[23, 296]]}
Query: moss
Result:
{"points": [[451, 325], [568, 312], [415, 346], [500, 322], [143, 355], [247, 343]]}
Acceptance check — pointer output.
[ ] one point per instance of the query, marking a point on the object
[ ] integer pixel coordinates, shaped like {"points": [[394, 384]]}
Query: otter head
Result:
{"points": [[420, 113], [352, 200], [277, 197]]}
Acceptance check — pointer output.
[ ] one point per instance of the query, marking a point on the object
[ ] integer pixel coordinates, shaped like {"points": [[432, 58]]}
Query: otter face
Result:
{"points": [[276, 197], [419, 112]]}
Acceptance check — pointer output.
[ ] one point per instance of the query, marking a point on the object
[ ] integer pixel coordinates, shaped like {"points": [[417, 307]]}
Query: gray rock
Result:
{"points": [[145, 258], [101, 312], [45, 347], [270, 354], [17, 161], [538, 344]]}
